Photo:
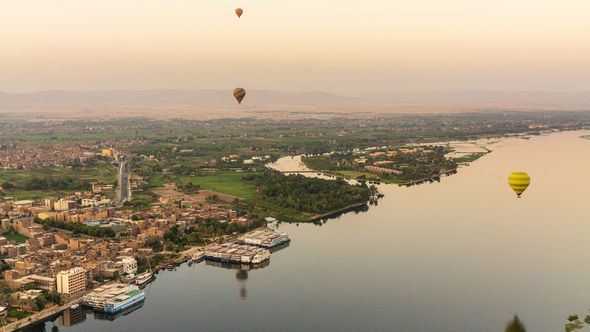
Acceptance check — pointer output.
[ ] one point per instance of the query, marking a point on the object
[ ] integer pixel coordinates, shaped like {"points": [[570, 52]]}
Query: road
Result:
{"points": [[123, 187], [42, 315]]}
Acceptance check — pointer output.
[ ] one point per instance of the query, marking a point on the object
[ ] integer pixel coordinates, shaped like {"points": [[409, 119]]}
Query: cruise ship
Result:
{"points": [[236, 253], [113, 298], [264, 237], [124, 301]]}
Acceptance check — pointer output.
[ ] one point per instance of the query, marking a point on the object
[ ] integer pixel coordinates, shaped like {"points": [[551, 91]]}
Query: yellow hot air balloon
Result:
{"points": [[239, 12], [519, 181]]}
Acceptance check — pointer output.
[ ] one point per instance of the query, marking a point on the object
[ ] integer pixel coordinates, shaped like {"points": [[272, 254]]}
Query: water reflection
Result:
{"points": [[71, 317], [242, 276], [111, 317], [242, 273]]}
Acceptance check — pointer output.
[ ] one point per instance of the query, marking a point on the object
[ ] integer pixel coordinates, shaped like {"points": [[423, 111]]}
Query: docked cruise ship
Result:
{"points": [[236, 253], [113, 298], [264, 237], [124, 301]]}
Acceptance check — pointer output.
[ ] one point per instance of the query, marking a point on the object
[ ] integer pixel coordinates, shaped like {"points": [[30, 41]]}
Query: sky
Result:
{"points": [[304, 45]]}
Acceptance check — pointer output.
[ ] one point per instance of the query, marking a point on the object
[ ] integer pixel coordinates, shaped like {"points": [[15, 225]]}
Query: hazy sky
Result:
{"points": [[299, 45]]}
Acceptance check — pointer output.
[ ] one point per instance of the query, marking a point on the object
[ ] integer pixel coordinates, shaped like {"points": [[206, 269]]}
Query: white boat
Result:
{"points": [[143, 278], [75, 306]]}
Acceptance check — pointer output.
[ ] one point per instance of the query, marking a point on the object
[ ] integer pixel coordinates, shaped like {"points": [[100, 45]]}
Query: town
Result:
{"points": [[54, 250]]}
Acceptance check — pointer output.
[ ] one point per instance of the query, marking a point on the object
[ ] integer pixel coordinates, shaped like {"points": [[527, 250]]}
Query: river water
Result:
{"points": [[460, 255]]}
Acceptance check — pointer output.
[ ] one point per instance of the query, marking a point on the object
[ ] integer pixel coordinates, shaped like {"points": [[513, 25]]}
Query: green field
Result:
{"points": [[16, 237], [227, 183], [471, 157], [105, 174], [14, 313]]}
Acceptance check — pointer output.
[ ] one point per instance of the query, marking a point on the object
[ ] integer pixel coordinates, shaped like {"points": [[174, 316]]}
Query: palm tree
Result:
{"points": [[515, 325]]}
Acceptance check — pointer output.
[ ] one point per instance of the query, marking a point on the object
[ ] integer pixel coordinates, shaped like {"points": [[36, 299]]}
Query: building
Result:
{"points": [[72, 281], [64, 205], [25, 204], [36, 281], [94, 202], [127, 265], [42, 282]]}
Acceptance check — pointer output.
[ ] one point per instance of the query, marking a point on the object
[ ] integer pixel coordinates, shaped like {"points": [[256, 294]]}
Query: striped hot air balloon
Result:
{"points": [[239, 12], [239, 94], [519, 181]]}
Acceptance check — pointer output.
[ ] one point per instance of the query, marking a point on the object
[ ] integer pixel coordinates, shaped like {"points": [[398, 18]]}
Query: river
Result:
{"points": [[460, 255]]}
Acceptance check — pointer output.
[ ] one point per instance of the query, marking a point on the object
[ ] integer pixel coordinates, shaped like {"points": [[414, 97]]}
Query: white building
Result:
{"points": [[94, 202], [64, 205], [126, 265]]}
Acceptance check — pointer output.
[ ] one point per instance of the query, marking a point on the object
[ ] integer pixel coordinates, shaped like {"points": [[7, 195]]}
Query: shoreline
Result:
{"points": [[335, 213]]}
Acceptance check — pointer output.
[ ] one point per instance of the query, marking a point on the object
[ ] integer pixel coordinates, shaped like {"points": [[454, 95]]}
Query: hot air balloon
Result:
{"points": [[239, 94], [519, 181], [239, 12]]}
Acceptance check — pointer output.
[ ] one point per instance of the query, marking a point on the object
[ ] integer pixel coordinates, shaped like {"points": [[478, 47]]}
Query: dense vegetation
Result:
{"points": [[408, 166], [176, 239], [77, 227], [55, 183], [307, 194]]}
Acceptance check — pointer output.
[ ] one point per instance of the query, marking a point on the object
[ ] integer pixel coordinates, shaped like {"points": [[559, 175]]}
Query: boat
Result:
{"points": [[236, 253], [124, 301], [143, 278], [264, 237], [114, 295], [75, 306]]}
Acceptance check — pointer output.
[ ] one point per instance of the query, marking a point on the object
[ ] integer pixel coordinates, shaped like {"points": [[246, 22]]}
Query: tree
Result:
{"points": [[40, 303], [10, 229], [7, 186], [155, 243], [515, 325], [54, 297]]}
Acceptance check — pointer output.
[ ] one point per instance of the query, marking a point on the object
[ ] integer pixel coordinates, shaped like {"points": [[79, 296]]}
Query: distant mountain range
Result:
{"points": [[213, 103]]}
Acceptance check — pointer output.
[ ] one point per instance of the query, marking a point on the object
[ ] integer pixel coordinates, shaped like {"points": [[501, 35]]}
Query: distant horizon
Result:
{"points": [[336, 93]]}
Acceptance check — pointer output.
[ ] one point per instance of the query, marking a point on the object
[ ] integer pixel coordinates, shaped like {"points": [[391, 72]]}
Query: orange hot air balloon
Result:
{"points": [[239, 94], [239, 12]]}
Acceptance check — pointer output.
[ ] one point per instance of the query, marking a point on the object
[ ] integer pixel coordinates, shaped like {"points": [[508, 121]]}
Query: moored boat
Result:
{"points": [[144, 278], [124, 301]]}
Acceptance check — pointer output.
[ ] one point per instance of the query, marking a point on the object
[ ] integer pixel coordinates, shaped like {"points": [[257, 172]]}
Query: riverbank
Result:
{"points": [[335, 213], [43, 315]]}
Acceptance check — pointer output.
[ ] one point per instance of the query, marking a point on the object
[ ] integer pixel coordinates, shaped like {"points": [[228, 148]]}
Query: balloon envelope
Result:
{"points": [[239, 94], [519, 181], [239, 12]]}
